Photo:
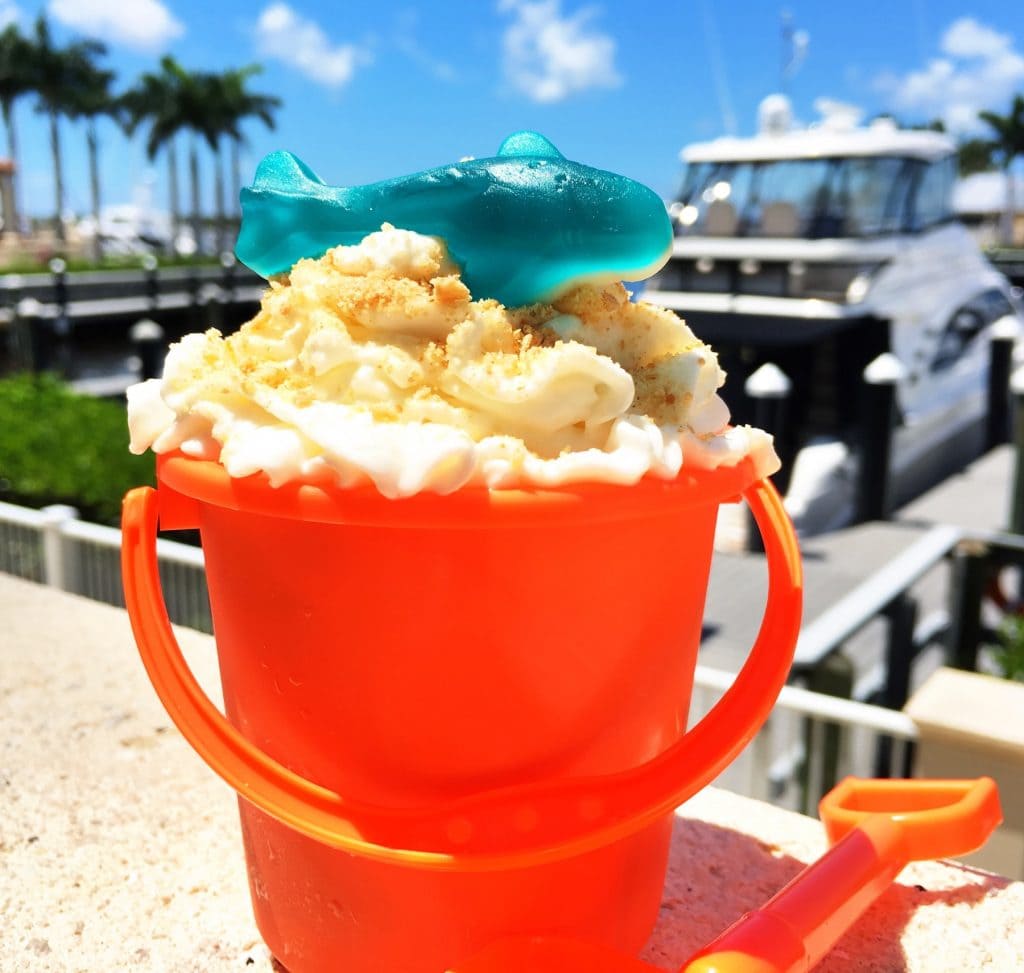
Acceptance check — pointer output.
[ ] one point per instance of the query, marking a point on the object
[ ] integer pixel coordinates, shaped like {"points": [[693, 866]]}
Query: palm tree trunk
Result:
{"points": [[235, 216], [218, 188], [1006, 219], [94, 186], [58, 177], [12, 219], [236, 175], [175, 206], [193, 166]]}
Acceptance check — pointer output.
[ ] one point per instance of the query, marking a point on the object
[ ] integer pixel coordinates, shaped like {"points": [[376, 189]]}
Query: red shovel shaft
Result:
{"points": [[880, 826], [803, 921]]}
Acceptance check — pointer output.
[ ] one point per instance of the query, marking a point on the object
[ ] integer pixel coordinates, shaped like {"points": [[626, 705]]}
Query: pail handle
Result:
{"points": [[512, 827]]}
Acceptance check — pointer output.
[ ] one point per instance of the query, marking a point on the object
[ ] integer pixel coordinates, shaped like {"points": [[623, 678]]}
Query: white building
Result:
{"points": [[979, 201]]}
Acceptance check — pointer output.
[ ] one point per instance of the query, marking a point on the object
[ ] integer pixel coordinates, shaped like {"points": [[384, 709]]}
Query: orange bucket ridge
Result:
{"points": [[455, 719]]}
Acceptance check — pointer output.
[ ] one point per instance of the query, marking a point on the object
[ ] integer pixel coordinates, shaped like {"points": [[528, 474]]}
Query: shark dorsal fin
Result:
{"points": [[284, 172], [529, 144]]}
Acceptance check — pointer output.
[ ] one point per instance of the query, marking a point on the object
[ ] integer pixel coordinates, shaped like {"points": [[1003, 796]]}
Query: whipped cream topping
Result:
{"points": [[374, 363]]}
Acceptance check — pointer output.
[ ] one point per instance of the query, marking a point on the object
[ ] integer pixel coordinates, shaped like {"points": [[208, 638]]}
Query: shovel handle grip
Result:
{"points": [[938, 818], [877, 827], [484, 832]]}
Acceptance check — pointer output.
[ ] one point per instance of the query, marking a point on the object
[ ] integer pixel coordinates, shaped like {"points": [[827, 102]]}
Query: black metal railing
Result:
{"points": [[62, 321]]}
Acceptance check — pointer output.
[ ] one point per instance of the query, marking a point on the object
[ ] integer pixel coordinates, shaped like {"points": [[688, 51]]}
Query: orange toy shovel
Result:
{"points": [[876, 827]]}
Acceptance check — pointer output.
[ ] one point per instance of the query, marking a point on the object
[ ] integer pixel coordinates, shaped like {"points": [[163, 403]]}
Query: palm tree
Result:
{"points": [[89, 98], [1009, 143], [229, 105], [173, 101], [199, 113], [154, 99], [974, 155], [215, 123], [56, 68], [243, 105], [196, 110], [17, 78]]}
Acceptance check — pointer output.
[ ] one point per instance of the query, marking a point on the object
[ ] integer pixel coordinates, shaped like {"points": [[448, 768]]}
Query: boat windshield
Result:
{"points": [[814, 198]]}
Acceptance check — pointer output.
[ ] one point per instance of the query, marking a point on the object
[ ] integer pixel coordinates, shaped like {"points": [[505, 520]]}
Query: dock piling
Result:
{"points": [[192, 284], [148, 339], [769, 387], [968, 581], [212, 300], [58, 269], [1016, 524], [227, 264], [997, 421], [30, 336], [149, 268], [878, 419], [11, 286], [900, 651]]}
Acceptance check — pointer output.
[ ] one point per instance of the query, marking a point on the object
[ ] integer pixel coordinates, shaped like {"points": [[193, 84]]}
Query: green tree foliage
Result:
{"points": [[1009, 130], [242, 105], [1009, 652], [89, 98], [17, 78], [194, 109], [59, 447], [207, 105], [1008, 144], [231, 103], [56, 70], [69, 81], [154, 101], [975, 155]]}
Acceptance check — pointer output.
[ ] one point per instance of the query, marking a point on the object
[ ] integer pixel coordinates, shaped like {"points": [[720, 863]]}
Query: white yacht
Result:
{"points": [[817, 250]]}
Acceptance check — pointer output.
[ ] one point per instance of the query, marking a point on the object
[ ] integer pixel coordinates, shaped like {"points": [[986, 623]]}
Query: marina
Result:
{"points": [[839, 568], [831, 253], [457, 613]]}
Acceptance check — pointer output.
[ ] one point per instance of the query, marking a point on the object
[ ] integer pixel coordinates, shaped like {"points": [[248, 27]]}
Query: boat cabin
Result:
{"points": [[817, 250]]}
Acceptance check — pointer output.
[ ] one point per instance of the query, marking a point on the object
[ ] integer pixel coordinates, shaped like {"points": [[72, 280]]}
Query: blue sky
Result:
{"points": [[381, 89]]}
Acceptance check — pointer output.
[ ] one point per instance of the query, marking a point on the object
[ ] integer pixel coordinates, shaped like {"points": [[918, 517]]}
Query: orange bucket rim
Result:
{"points": [[207, 481]]}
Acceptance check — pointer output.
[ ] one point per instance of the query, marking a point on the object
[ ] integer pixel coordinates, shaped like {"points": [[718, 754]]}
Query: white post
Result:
{"points": [[59, 564], [761, 761]]}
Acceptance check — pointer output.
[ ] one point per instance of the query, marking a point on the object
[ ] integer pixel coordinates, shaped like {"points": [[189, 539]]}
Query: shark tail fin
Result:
{"points": [[269, 222], [282, 172]]}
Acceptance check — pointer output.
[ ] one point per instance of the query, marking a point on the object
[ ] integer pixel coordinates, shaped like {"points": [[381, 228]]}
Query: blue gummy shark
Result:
{"points": [[523, 226]]}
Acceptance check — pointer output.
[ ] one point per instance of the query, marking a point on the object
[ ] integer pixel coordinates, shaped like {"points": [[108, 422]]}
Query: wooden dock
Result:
{"points": [[835, 564]]}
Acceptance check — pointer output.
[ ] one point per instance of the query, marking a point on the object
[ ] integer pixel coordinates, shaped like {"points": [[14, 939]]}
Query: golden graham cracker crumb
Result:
{"points": [[320, 328]]}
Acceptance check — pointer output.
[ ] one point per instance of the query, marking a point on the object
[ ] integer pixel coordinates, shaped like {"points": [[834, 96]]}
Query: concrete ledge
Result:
{"points": [[119, 850]]}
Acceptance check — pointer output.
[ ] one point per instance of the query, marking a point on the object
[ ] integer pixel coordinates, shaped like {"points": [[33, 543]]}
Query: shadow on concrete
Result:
{"points": [[715, 875]]}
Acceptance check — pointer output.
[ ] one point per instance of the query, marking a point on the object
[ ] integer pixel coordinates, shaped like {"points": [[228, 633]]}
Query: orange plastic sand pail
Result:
{"points": [[454, 719]]}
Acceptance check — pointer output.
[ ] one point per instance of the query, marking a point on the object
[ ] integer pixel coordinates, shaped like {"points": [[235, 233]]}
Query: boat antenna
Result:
{"points": [[794, 50], [714, 50]]}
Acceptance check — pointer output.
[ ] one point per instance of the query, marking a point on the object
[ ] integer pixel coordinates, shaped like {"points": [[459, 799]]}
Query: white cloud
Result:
{"points": [[548, 57], [979, 68], [968, 38], [145, 25], [285, 35]]}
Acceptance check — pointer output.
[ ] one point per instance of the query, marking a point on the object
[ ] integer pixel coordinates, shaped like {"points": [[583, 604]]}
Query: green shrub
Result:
{"points": [[1009, 653], [60, 447], [27, 264]]}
